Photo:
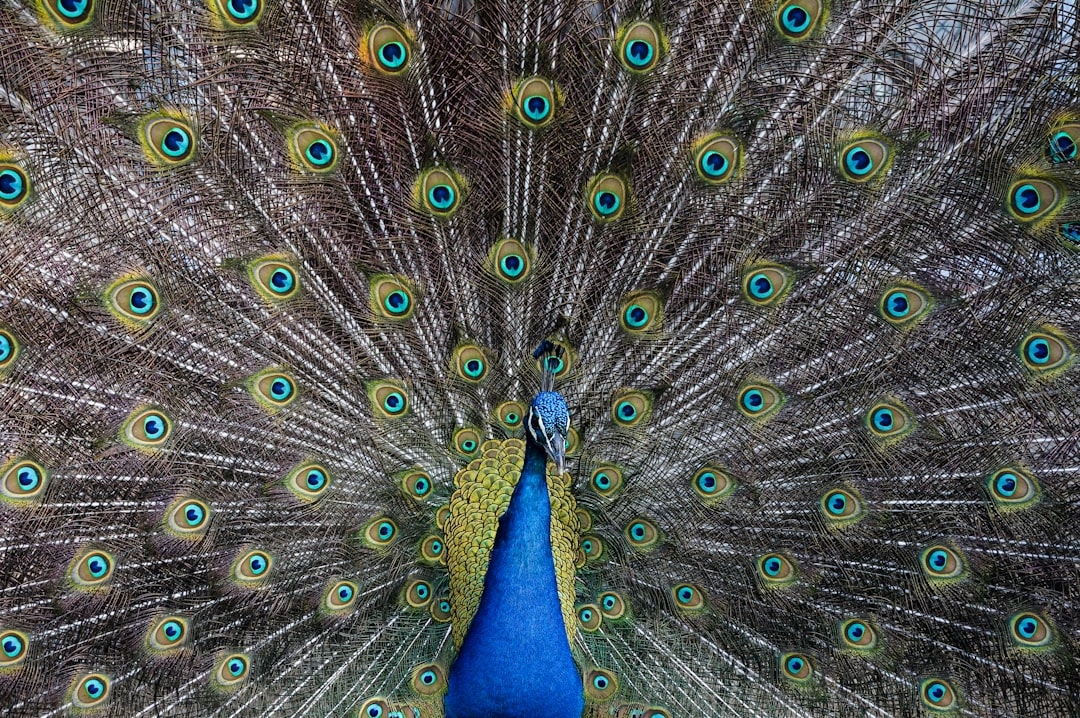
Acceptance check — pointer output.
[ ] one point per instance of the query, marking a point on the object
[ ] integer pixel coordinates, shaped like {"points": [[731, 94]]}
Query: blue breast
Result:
{"points": [[515, 661]]}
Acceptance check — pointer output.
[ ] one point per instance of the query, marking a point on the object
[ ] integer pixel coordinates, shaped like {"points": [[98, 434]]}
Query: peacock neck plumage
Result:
{"points": [[515, 659]]}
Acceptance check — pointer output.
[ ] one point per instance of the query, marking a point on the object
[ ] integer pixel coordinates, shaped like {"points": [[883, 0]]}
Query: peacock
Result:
{"points": [[566, 358]]}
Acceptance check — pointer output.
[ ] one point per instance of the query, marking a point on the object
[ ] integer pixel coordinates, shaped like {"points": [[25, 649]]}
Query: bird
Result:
{"points": [[601, 358]]}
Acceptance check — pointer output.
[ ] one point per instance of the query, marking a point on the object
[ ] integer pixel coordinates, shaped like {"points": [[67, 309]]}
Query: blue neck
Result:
{"points": [[515, 661]]}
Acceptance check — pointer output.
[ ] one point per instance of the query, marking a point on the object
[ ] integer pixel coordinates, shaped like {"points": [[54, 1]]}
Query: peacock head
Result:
{"points": [[549, 425]]}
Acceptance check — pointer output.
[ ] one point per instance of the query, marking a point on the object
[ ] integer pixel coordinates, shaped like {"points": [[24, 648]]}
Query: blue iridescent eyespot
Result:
{"points": [[1063, 142], [797, 19], [841, 507], [13, 646], [90, 690], [388, 49], [607, 197], [1012, 488], [904, 305], [606, 480], [167, 634], [312, 148], [600, 684], [1032, 198], [940, 563], [857, 634], [69, 14], [8, 348], [22, 480], [689, 598], [187, 518], [168, 140], [937, 695], [133, 301], [775, 569], [716, 158], [640, 312], [766, 285], [1030, 630], [428, 679], [643, 534], [535, 102], [796, 667], [231, 670], [147, 429], [14, 186], [339, 596], [440, 192], [470, 363], [509, 261], [431, 549], [889, 420], [1044, 351], [759, 400], [92, 569], [639, 47], [252, 567], [379, 532]]}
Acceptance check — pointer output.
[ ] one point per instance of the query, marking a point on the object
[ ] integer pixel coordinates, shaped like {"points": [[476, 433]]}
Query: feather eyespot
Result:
{"points": [[510, 414], [375, 708], [388, 49], [389, 399], [440, 610], [1033, 198], [640, 46], [69, 14], [716, 158], [252, 568], [865, 159], [889, 421], [379, 532], [904, 305], [612, 605], [776, 570], [797, 19], [559, 365], [308, 481], [416, 484], [534, 102], [392, 297], [1070, 233], [592, 547], [1030, 630], [274, 279], [941, 563], [14, 186], [272, 389], [9, 349], [642, 534], [1045, 351], [938, 695], [439, 192], [688, 597], [433, 550], [188, 518], [470, 363], [340, 596], [232, 670], [607, 197], [466, 441], [796, 667], [168, 140], [135, 302], [13, 647], [90, 690], [600, 685], [510, 261], [92, 569], [1063, 142], [640, 312], [428, 679], [418, 594], [841, 507], [23, 480], [759, 400], [236, 14], [712, 484], [606, 480], [312, 148], [766, 284], [589, 618], [167, 634], [1012, 488], [857, 634], [147, 429], [631, 408]]}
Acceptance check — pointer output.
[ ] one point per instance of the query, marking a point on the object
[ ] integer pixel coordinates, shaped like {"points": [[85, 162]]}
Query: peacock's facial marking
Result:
{"points": [[549, 424]]}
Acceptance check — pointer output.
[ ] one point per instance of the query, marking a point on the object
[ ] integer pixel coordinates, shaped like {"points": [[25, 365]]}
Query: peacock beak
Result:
{"points": [[556, 449]]}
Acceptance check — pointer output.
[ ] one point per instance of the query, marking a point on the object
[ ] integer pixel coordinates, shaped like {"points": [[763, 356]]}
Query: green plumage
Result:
{"points": [[271, 273]]}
